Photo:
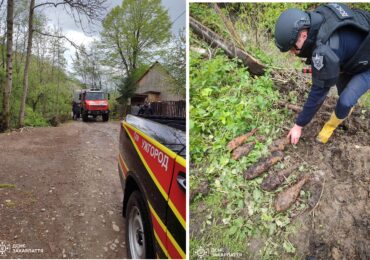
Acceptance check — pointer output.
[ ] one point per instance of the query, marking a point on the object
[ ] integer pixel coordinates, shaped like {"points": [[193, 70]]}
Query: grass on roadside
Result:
{"points": [[6, 185]]}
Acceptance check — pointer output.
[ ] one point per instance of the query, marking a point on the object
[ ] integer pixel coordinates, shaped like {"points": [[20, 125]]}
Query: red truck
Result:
{"points": [[94, 103], [152, 169]]}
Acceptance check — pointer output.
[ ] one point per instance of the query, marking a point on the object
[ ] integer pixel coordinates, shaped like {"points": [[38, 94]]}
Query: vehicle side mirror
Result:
{"points": [[79, 96]]}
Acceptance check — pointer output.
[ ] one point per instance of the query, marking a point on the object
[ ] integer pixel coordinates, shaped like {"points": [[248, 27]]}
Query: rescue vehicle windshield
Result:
{"points": [[95, 96]]}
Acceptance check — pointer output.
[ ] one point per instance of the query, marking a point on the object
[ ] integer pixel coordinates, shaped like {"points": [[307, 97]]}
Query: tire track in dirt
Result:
{"points": [[68, 196]]}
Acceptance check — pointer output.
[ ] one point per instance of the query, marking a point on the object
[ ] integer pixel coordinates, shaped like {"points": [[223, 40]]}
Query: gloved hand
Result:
{"points": [[295, 133], [329, 128]]}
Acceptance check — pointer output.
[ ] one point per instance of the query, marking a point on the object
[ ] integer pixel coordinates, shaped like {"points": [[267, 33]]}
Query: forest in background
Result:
{"points": [[229, 215], [113, 62], [50, 87]]}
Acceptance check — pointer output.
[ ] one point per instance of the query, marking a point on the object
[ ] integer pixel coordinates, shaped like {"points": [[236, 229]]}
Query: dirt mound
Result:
{"points": [[338, 223]]}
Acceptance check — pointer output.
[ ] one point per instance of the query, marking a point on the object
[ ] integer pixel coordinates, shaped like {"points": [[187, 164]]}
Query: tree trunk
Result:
{"points": [[3, 49], [26, 67], [9, 66], [17, 65], [254, 66]]}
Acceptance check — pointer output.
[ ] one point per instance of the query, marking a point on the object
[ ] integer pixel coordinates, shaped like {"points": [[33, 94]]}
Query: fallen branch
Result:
{"points": [[254, 66]]}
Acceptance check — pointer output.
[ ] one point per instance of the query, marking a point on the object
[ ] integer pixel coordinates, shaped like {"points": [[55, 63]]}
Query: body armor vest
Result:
{"points": [[325, 21]]}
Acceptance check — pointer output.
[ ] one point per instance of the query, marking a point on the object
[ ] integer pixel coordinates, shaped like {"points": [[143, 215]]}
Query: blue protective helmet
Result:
{"points": [[287, 27]]}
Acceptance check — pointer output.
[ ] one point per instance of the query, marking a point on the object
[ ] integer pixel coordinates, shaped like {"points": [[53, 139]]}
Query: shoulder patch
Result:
{"points": [[341, 10], [318, 61]]}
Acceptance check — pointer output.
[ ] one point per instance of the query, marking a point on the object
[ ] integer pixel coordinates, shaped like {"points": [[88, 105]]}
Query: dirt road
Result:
{"points": [[66, 201]]}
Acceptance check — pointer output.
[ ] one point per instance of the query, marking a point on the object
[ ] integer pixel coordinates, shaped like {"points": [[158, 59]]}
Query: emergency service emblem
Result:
{"points": [[318, 61]]}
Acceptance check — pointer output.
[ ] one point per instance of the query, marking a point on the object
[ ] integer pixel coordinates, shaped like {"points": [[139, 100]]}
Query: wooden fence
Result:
{"points": [[169, 108]]}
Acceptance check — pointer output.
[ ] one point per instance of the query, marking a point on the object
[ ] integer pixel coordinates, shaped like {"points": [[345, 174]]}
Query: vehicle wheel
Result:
{"points": [[85, 116], [105, 117], [139, 239]]}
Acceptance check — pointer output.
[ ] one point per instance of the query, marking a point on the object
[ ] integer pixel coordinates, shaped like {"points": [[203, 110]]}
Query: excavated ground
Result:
{"points": [[337, 224]]}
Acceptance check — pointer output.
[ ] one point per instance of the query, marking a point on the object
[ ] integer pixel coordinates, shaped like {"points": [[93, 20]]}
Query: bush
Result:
{"points": [[33, 118]]}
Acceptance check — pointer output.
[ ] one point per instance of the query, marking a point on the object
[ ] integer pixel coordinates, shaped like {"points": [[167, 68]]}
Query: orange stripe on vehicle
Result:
{"points": [[121, 171], [156, 182], [123, 166], [174, 244]]}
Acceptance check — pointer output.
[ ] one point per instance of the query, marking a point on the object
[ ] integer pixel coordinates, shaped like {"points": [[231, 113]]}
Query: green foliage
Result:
{"points": [[226, 101], [127, 85], [365, 100], [46, 97], [33, 118], [132, 31], [114, 104], [204, 13], [6, 185], [174, 60]]}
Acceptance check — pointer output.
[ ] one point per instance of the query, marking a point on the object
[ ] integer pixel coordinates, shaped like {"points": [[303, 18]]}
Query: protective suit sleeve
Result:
{"points": [[315, 98]]}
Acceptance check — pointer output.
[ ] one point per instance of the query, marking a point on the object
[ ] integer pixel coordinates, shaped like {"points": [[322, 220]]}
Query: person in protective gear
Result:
{"points": [[336, 42], [76, 110]]}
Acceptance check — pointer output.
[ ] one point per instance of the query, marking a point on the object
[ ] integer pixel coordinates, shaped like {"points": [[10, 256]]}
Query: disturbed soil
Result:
{"points": [[337, 223], [64, 198]]}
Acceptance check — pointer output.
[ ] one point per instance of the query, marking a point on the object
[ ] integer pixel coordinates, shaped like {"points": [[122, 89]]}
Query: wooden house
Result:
{"points": [[155, 85]]}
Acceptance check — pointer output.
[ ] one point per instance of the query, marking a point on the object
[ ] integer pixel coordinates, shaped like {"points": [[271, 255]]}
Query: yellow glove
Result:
{"points": [[329, 128]]}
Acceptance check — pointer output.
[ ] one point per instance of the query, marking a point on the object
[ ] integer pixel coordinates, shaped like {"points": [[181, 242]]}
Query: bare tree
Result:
{"points": [[9, 66], [28, 58], [92, 10], [20, 34]]}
